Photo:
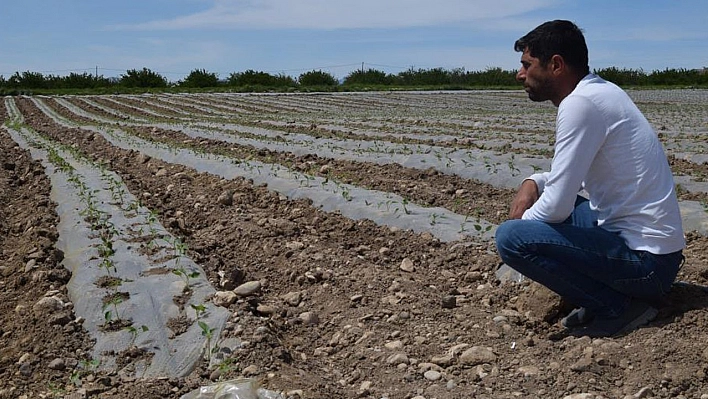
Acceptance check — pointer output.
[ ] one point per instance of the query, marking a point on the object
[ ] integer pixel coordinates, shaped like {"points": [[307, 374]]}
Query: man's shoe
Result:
{"points": [[578, 317], [637, 314]]}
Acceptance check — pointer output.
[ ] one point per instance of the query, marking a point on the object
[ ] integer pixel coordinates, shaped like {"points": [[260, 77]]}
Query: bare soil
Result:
{"points": [[337, 316]]}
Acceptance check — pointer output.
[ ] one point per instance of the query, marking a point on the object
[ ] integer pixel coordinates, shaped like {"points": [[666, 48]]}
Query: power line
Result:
{"points": [[388, 66], [50, 71]]}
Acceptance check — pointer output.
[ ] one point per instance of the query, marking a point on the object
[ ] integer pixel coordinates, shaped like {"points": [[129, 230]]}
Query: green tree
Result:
{"points": [[492, 77], [425, 77], [200, 78], [622, 77], [459, 76], [251, 78], [368, 77], [83, 81], [673, 77], [317, 78], [254, 80], [283, 80], [142, 78], [27, 80]]}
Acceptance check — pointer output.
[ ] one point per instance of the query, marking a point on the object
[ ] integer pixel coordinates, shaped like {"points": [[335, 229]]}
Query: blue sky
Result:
{"points": [[174, 37]]}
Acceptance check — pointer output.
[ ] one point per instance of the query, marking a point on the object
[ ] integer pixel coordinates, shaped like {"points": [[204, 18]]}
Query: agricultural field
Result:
{"points": [[315, 245]]}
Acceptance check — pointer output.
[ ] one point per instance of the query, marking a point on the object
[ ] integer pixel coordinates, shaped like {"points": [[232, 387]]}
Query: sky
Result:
{"points": [[291, 37]]}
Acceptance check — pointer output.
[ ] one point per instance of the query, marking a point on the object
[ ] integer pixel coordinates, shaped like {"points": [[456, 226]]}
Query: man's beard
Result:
{"points": [[539, 92]]}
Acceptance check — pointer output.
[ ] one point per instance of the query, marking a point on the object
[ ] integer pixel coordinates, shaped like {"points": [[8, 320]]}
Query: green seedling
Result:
{"points": [[226, 366], [463, 228], [200, 309], [153, 237], [134, 332], [434, 217], [83, 367], [56, 391], [108, 264], [481, 229], [105, 248], [152, 217], [186, 276], [405, 202], [133, 206], [387, 203], [117, 193], [112, 316], [512, 167], [207, 332], [180, 249]]}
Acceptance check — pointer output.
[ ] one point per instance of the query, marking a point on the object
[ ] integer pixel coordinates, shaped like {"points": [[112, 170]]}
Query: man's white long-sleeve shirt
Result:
{"points": [[606, 146]]}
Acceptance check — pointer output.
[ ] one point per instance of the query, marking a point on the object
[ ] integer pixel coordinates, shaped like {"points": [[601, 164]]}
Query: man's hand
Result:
{"points": [[525, 198]]}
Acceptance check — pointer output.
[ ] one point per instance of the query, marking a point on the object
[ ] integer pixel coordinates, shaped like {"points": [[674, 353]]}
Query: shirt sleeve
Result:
{"points": [[580, 133], [540, 180]]}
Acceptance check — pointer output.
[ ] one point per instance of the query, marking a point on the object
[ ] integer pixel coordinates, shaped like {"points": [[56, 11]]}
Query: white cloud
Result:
{"points": [[342, 14]]}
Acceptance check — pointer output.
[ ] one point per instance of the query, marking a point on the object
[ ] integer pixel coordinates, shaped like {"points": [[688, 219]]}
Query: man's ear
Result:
{"points": [[557, 64]]}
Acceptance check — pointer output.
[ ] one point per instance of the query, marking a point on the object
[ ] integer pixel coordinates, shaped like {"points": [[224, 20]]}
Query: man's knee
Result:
{"points": [[516, 238], [507, 237]]}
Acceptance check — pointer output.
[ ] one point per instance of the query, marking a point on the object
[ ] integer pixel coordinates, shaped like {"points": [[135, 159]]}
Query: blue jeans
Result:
{"points": [[586, 264]]}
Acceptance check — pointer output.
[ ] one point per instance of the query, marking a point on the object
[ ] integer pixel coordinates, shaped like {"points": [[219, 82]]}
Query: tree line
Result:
{"points": [[250, 80]]}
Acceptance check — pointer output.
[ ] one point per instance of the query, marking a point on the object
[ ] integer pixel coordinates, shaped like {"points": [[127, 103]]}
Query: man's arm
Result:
{"points": [[580, 133], [524, 199]]}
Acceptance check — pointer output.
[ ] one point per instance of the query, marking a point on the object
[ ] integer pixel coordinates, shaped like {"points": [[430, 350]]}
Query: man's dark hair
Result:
{"points": [[557, 37]]}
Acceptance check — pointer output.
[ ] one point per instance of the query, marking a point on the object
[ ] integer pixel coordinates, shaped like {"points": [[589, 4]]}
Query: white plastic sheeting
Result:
{"points": [[149, 285]]}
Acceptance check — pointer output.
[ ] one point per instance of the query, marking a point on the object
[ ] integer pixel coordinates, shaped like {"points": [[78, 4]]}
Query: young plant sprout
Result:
{"points": [[207, 332], [134, 332], [180, 249], [198, 309], [111, 316]]}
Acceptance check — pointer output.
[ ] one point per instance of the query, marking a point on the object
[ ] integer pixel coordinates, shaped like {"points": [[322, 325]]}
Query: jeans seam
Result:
{"points": [[529, 245], [649, 278]]}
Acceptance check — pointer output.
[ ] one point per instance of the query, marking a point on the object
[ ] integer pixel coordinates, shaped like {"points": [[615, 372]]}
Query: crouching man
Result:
{"points": [[615, 253]]}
